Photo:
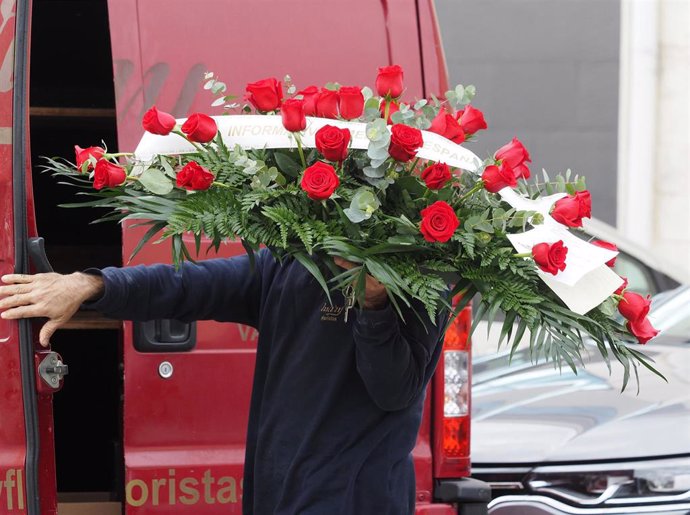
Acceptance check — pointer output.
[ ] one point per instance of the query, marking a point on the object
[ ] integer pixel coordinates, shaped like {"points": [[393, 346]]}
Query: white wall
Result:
{"points": [[654, 121]]}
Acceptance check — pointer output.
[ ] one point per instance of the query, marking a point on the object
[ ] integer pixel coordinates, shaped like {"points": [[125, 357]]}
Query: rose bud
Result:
{"points": [[448, 127], [332, 142], [622, 287], [496, 178], [320, 181], [436, 176], [108, 175], [572, 209], [87, 156], [439, 222], [642, 330], [265, 95], [309, 95], [350, 102], [634, 306], [194, 177], [327, 104], [292, 112], [393, 107], [405, 141], [550, 258], [471, 120], [200, 128], [158, 122], [608, 246], [389, 81], [516, 155]]}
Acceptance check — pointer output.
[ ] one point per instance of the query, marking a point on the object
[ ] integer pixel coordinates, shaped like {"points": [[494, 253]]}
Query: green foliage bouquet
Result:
{"points": [[340, 171]]}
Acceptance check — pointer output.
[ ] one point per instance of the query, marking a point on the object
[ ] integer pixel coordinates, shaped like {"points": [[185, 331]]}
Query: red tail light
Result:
{"points": [[452, 385]]}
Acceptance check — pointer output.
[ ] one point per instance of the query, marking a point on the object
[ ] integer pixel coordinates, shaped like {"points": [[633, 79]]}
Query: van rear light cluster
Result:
{"points": [[455, 387], [452, 401]]}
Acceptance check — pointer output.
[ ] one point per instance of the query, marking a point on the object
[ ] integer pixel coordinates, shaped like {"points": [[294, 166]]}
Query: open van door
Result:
{"points": [[27, 457]]}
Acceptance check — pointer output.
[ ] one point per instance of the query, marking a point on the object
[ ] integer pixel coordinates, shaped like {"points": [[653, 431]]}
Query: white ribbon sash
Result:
{"points": [[253, 131]]}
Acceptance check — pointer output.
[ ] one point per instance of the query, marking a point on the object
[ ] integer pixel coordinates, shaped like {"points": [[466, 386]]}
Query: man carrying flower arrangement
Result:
{"points": [[338, 391]]}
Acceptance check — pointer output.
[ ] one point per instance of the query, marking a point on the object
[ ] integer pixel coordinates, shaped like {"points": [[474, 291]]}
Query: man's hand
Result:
{"points": [[375, 296], [53, 296]]}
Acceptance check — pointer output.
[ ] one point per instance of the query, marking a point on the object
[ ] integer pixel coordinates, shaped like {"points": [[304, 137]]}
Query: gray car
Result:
{"points": [[552, 442]]}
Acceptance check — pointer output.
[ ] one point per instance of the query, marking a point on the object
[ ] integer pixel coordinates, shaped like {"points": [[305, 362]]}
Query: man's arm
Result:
{"points": [[220, 289], [393, 357], [53, 296]]}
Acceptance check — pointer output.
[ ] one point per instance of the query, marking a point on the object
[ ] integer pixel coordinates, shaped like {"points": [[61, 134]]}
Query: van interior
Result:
{"points": [[72, 102]]}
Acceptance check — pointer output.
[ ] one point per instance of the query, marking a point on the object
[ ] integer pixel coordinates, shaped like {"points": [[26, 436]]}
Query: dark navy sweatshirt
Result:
{"points": [[335, 406]]}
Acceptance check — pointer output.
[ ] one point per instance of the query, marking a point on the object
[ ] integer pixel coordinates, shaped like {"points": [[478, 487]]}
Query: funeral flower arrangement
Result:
{"points": [[358, 173]]}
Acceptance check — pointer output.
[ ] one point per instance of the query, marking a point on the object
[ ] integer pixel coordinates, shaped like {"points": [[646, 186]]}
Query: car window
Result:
{"points": [[639, 277], [671, 313]]}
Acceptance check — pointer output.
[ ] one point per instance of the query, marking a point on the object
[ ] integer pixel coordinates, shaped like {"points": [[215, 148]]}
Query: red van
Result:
{"points": [[152, 417]]}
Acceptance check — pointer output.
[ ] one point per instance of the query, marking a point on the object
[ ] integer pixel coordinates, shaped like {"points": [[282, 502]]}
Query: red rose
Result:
{"points": [[200, 128], [634, 306], [327, 104], [405, 141], [194, 177], [265, 95], [320, 181], [436, 176], [390, 81], [550, 258], [622, 287], [516, 155], [642, 330], [572, 209], [351, 102], [448, 127], [496, 178], [87, 155], [292, 112], [108, 175], [393, 107], [332, 142], [158, 122], [471, 120], [439, 222], [608, 246], [309, 96]]}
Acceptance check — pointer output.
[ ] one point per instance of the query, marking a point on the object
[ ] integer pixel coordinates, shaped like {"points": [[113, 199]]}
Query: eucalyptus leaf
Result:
{"points": [[355, 215], [375, 173], [156, 182]]}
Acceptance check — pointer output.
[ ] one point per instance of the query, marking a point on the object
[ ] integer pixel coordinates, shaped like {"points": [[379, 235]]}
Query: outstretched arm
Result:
{"points": [[219, 289]]}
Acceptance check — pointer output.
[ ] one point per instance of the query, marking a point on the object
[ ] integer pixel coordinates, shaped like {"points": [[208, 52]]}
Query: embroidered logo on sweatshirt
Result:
{"points": [[331, 313]]}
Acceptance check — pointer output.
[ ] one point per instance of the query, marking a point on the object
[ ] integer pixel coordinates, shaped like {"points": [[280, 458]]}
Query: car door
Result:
{"points": [[27, 457]]}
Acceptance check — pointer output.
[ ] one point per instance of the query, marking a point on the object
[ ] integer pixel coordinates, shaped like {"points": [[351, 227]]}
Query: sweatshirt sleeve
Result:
{"points": [[226, 290], [395, 358]]}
